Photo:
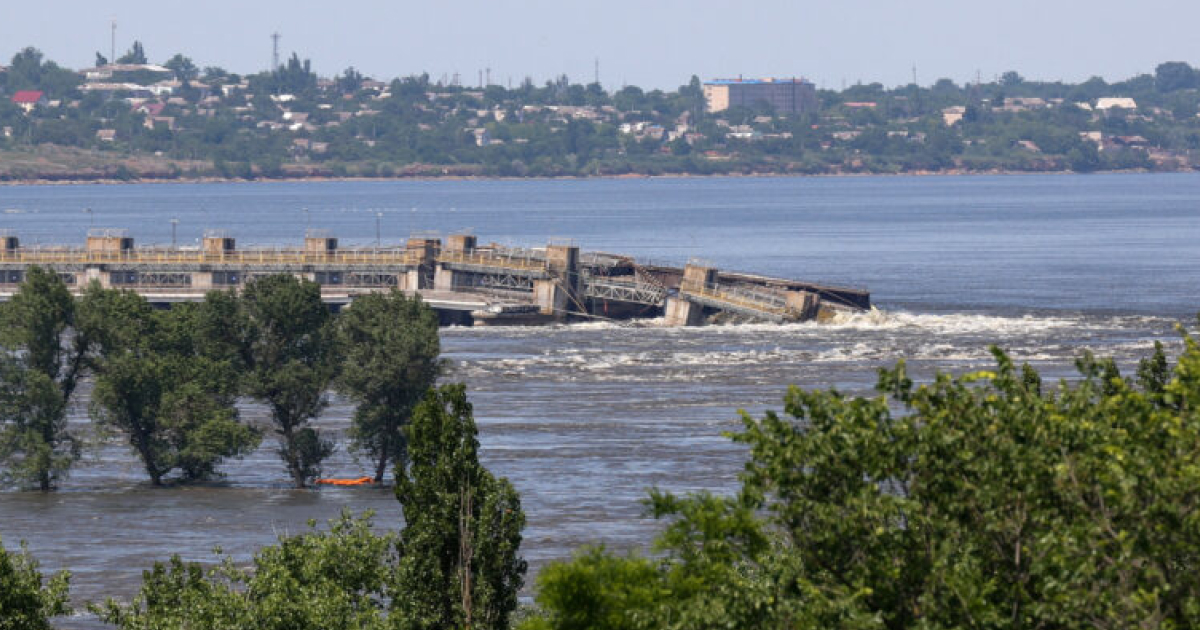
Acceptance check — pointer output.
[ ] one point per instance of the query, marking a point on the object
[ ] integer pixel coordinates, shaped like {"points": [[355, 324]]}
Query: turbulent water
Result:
{"points": [[584, 418]]}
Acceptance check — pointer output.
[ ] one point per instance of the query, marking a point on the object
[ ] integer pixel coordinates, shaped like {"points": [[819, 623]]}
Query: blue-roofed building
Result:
{"points": [[785, 96]]}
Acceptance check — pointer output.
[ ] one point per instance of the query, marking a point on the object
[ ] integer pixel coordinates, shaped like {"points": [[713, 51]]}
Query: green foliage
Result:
{"points": [[183, 67], [333, 580], [44, 357], [27, 600], [168, 382], [462, 529], [598, 590], [988, 500], [135, 55], [287, 347], [390, 360], [1175, 75], [454, 565], [28, 71]]}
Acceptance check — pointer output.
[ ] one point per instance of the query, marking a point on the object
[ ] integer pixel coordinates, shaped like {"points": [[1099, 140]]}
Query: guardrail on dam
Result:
{"points": [[465, 282]]}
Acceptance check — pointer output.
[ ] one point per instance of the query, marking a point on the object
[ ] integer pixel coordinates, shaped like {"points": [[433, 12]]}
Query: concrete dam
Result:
{"points": [[466, 282]]}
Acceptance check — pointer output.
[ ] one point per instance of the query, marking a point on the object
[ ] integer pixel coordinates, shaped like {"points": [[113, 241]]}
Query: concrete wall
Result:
{"points": [[680, 312], [551, 298]]}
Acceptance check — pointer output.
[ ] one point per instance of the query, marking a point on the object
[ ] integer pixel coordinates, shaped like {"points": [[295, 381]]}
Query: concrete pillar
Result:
{"points": [[410, 280], [461, 243], [202, 280], [426, 248], [803, 304], [560, 294], [443, 279], [109, 242], [552, 298], [698, 276], [94, 273], [318, 243], [217, 244], [680, 312]]}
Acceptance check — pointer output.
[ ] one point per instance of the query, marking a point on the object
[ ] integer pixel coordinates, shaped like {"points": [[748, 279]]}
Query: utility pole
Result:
{"points": [[378, 216], [275, 51]]}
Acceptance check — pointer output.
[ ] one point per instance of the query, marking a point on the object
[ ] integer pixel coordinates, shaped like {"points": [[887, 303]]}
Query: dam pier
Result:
{"points": [[465, 282]]}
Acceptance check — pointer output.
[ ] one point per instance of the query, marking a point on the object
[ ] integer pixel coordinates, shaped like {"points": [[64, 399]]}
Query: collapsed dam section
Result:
{"points": [[465, 282]]}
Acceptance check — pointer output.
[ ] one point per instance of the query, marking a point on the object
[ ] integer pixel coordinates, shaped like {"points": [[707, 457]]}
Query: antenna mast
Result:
{"points": [[597, 81], [275, 51], [112, 49]]}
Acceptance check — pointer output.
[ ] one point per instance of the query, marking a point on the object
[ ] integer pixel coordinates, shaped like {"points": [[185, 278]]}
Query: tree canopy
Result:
{"points": [[389, 361], [986, 500]]}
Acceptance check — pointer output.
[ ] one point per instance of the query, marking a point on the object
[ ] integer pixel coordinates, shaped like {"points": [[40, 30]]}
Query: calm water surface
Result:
{"points": [[584, 418]]}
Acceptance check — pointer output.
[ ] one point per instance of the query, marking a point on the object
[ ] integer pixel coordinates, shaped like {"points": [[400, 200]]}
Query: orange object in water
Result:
{"points": [[361, 481]]}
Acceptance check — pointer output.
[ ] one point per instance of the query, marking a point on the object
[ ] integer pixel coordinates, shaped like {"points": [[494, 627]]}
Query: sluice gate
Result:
{"points": [[466, 282]]}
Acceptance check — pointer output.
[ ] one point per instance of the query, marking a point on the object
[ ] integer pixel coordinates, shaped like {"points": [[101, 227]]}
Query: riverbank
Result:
{"points": [[70, 166]]}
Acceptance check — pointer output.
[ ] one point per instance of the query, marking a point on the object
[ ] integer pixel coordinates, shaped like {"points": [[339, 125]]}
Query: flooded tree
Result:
{"points": [[390, 360], [287, 347], [43, 360], [455, 563], [165, 384]]}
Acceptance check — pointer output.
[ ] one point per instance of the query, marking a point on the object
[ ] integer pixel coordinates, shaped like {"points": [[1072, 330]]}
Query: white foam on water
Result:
{"points": [[866, 321]]}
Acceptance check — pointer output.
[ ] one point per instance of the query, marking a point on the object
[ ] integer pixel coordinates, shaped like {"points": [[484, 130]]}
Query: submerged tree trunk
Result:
{"points": [[381, 467], [291, 457]]}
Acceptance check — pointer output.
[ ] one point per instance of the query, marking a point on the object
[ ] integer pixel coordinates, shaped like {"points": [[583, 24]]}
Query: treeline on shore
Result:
{"points": [[136, 120], [168, 379], [990, 499]]}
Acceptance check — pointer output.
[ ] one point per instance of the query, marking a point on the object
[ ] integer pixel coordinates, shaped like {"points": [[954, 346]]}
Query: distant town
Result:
{"points": [[129, 119]]}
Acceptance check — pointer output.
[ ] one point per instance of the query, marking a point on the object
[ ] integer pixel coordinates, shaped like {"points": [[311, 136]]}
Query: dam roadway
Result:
{"points": [[466, 283]]}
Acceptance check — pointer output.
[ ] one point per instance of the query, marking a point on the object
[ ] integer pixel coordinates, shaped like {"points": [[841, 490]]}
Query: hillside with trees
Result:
{"points": [[137, 120]]}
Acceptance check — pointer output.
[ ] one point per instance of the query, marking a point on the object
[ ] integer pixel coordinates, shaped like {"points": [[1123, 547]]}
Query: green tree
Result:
{"points": [[462, 526], [27, 600], [28, 71], [1011, 79], [598, 590], [166, 385], [987, 500], [289, 356], [1175, 75], [183, 67], [333, 580], [44, 358], [350, 81], [390, 360], [135, 55]]}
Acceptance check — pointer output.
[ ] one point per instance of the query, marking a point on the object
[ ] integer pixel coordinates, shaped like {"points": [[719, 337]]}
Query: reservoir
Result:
{"points": [[584, 418]]}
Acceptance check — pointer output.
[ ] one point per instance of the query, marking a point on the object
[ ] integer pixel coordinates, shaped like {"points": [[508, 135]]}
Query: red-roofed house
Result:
{"points": [[29, 99], [151, 108]]}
